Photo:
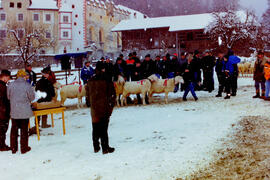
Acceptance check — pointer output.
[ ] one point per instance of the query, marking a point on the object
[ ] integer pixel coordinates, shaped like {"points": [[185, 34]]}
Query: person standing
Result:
{"points": [[4, 109], [267, 78], [220, 76], [188, 76], [44, 85], [21, 94], [32, 75], [208, 63], [227, 70], [130, 64], [148, 67], [87, 72], [259, 75], [158, 66], [234, 60], [102, 104], [197, 70]]}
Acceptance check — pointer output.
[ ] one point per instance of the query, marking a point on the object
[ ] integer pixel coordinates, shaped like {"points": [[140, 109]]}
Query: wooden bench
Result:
{"points": [[49, 111]]}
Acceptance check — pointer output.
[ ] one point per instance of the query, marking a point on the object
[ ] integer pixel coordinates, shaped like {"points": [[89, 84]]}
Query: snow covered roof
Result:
{"points": [[44, 4], [0, 3], [174, 23], [139, 15]]}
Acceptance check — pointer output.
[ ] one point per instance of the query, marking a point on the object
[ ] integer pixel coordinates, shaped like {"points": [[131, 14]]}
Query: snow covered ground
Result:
{"points": [[156, 141]]}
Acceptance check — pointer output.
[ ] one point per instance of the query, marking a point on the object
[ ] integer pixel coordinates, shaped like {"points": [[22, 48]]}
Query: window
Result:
{"points": [[3, 17], [100, 36], [190, 36], [65, 19], [65, 34], [100, 17], [11, 5], [90, 14], [48, 35], [20, 17], [75, 24], [73, 6], [76, 16], [3, 33], [20, 33], [19, 5], [36, 17], [48, 17], [91, 34]]}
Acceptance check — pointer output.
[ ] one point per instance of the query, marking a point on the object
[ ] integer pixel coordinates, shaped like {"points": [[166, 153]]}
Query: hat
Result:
{"points": [[134, 53], [130, 54], [148, 55], [102, 58], [46, 70], [196, 52], [21, 73], [5, 72]]}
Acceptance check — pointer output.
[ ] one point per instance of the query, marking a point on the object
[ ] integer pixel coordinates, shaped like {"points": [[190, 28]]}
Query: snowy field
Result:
{"points": [[152, 142]]}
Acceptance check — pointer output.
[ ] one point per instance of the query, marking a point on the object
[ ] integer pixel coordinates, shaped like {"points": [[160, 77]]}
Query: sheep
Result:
{"points": [[164, 86], [118, 85], [56, 86], [72, 91], [137, 87]]}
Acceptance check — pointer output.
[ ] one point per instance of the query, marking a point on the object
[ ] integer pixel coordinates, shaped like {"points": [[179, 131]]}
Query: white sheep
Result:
{"points": [[119, 86], [137, 87], [71, 92], [164, 86], [56, 86]]}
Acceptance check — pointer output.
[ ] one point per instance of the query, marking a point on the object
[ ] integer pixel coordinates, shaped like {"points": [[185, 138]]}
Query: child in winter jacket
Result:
{"points": [[267, 77]]}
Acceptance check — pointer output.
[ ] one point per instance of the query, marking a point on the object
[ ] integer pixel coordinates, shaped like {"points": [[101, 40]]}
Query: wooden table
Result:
{"points": [[50, 111]]}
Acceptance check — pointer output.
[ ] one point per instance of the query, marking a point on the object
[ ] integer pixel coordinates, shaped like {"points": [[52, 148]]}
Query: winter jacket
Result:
{"points": [[87, 73], [4, 102], [32, 77], [52, 77], [188, 76], [100, 65], [267, 70], [227, 68], [148, 68], [197, 66], [235, 60], [259, 70], [102, 97], [208, 63], [118, 69], [130, 64], [44, 85], [158, 67], [137, 74], [219, 65], [21, 94]]}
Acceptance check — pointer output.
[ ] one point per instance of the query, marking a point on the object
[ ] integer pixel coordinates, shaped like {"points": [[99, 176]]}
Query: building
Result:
{"points": [[165, 34], [75, 26]]}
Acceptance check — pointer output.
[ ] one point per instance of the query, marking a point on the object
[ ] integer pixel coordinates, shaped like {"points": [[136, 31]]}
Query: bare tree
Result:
{"points": [[233, 28], [28, 39]]}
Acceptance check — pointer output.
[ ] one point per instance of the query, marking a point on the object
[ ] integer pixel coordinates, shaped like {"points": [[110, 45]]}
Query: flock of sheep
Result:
{"points": [[148, 86]]}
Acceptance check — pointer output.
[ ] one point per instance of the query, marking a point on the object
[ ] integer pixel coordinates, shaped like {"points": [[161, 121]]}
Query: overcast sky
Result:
{"points": [[259, 6]]}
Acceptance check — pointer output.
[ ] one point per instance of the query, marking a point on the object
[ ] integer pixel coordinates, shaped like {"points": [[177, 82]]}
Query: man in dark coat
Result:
{"points": [[4, 109], [220, 76], [259, 75], [44, 85], [197, 69], [102, 100], [234, 60], [148, 66], [208, 63], [158, 66]]}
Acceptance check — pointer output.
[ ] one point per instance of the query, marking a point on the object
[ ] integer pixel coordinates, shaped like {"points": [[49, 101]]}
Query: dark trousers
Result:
{"points": [[190, 87], [208, 81], [221, 82], [258, 84], [228, 84], [234, 79], [100, 131], [17, 124], [3, 130]]}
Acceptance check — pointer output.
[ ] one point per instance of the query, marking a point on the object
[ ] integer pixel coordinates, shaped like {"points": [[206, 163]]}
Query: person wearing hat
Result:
{"points": [[44, 85], [100, 66], [208, 64], [4, 109], [102, 98], [21, 94], [32, 75], [197, 69], [258, 76], [130, 64]]}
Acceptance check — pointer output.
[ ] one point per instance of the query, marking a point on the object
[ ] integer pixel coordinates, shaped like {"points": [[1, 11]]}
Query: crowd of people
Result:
{"points": [[196, 70]]}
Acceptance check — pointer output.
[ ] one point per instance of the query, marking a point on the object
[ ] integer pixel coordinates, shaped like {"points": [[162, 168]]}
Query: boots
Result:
{"points": [[108, 150], [228, 96], [219, 95], [263, 95], [44, 122], [257, 94]]}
